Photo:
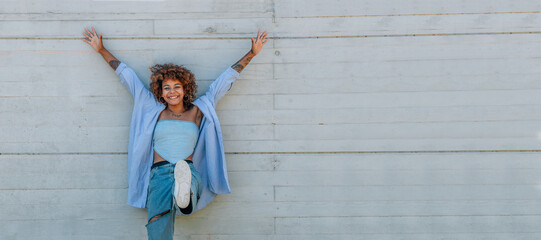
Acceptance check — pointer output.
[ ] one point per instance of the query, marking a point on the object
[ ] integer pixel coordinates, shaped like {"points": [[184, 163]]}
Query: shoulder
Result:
{"points": [[161, 115], [198, 114]]}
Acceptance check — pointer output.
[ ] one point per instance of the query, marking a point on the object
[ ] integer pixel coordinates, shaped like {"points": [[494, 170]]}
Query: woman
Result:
{"points": [[176, 161]]}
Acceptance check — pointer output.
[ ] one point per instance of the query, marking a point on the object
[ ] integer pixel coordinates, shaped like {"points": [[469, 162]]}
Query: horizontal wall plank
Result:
{"points": [[351, 145], [408, 208], [60, 146], [79, 229], [387, 178], [408, 161], [110, 163], [112, 7], [95, 180], [407, 69], [371, 44], [458, 82], [403, 99], [434, 144], [242, 117], [407, 114], [395, 131], [65, 196], [250, 132], [406, 49], [406, 25], [55, 211], [75, 28], [308, 8], [210, 27], [117, 16], [437, 224], [244, 193], [58, 211], [405, 193], [224, 225], [116, 196], [146, 28], [250, 162], [245, 102], [379, 236], [91, 227]]}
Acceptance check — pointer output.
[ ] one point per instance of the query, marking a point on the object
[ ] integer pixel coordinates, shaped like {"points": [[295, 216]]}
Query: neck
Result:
{"points": [[177, 109]]}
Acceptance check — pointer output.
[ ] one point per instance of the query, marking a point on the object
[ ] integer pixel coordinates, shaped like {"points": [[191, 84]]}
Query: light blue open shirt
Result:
{"points": [[208, 156]]}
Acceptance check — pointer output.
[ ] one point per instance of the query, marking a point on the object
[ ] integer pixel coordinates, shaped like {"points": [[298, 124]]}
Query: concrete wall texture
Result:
{"points": [[360, 119]]}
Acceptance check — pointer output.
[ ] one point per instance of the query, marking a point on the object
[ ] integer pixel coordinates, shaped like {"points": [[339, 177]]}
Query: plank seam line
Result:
{"points": [[412, 15], [276, 38], [414, 200], [427, 216], [403, 185], [370, 152], [321, 152]]}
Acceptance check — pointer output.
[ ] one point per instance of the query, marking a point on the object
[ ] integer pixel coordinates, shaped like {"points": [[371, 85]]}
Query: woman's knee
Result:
{"points": [[158, 216]]}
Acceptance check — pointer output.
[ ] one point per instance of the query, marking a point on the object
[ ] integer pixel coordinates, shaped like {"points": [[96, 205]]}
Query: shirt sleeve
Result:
{"points": [[222, 85], [141, 95]]}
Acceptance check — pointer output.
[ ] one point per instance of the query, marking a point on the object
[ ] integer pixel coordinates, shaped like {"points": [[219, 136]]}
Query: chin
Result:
{"points": [[174, 103]]}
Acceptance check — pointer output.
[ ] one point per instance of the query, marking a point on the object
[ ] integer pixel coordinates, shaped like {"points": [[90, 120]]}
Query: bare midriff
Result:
{"points": [[158, 158]]}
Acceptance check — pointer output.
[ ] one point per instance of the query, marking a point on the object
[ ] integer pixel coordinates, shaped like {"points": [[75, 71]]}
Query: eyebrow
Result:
{"points": [[173, 85]]}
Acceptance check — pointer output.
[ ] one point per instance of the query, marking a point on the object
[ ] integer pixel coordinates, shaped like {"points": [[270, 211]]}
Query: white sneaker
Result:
{"points": [[183, 181]]}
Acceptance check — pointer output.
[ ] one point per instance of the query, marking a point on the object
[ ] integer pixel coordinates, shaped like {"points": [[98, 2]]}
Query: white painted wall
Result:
{"points": [[360, 119]]}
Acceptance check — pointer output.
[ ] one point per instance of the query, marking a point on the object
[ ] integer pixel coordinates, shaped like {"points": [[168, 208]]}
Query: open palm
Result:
{"points": [[258, 43], [93, 39]]}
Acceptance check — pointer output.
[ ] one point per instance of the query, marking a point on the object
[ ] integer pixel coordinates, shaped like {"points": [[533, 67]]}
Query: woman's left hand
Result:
{"points": [[258, 43]]}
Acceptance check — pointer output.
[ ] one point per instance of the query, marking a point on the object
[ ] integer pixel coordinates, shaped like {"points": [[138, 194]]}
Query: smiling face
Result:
{"points": [[172, 91], [172, 85]]}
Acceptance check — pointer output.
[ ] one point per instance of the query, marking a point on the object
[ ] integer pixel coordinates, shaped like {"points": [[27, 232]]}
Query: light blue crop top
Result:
{"points": [[175, 140]]}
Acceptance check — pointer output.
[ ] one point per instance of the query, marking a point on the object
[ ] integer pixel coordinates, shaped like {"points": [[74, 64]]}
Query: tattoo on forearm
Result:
{"points": [[238, 67], [114, 63], [241, 64]]}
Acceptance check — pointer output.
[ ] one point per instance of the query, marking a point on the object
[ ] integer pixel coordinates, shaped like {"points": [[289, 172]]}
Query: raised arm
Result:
{"points": [[257, 45], [95, 42]]}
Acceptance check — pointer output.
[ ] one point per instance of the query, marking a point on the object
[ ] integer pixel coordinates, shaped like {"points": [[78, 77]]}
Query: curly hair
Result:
{"points": [[160, 72]]}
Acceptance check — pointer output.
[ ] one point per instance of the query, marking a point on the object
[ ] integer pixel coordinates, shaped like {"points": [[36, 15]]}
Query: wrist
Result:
{"points": [[101, 50], [251, 53]]}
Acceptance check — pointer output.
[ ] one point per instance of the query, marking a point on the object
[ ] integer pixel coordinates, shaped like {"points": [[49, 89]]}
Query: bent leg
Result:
{"points": [[158, 216], [195, 192]]}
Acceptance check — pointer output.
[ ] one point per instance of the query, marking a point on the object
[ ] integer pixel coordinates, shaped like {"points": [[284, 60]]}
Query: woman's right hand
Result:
{"points": [[93, 40]]}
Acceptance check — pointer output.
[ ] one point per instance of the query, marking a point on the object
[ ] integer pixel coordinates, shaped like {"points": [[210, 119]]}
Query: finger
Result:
{"points": [[253, 41], [94, 31], [265, 42], [258, 32], [101, 35], [86, 35], [89, 33], [264, 35], [86, 41]]}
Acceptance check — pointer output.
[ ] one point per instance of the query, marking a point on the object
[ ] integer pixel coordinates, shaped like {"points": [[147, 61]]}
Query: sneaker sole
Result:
{"points": [[183, 179]]}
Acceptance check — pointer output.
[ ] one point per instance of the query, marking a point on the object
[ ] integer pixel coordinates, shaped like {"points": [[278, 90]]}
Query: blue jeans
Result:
{"points": [[160, 199]]}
